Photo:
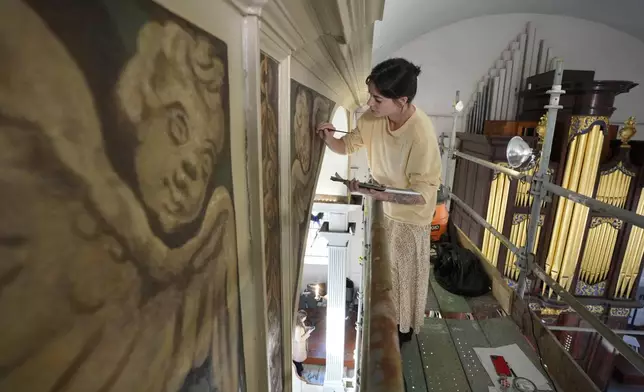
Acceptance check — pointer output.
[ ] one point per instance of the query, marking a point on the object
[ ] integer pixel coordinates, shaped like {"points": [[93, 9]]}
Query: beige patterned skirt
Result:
{"points": [[409, 248]]}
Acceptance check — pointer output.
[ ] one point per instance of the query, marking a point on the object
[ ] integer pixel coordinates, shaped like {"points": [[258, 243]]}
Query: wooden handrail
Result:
{"points": [[381, 369]]}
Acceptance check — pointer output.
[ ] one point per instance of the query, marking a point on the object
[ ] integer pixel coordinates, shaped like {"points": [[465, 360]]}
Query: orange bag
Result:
{"points": [[441, 216]]}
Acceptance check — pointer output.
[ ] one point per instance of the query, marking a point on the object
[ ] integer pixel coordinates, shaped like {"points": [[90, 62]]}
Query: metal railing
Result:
{"points": [[540, 184]]}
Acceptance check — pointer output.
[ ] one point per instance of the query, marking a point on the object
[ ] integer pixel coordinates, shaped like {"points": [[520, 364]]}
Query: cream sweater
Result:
{"points": [[406, 158]]}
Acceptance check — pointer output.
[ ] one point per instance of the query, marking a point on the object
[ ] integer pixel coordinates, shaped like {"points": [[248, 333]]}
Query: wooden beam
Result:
{"points": [[382, 359]]}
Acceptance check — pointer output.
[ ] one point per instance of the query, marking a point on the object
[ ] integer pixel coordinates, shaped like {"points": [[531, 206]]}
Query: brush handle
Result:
{"points": [[334, 130]]}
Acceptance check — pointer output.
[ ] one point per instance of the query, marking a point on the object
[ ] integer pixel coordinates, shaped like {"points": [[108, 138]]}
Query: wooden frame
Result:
{"points": [[293, 35], [277, 49]]}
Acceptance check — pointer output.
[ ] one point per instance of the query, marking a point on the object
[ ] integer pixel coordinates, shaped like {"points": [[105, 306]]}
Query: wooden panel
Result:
{"points": [[122, 157], [308, 108], [270, 162]]}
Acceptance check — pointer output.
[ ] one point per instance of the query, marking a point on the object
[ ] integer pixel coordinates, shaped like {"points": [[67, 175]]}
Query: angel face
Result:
{"points": [[302, 131], [174, 163], [171, 93], [320, 111]]}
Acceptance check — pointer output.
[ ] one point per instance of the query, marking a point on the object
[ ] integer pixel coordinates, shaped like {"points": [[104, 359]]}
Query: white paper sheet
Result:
{"points": [[518, 361]]}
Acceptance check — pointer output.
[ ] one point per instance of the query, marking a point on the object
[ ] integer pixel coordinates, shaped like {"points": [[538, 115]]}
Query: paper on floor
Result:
{"points": [[518, 361]]}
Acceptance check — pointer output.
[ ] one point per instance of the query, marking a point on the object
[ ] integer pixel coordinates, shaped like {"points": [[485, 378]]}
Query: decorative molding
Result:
{"points": [[286, 221], [580, 125], [255, 350], [249, 7], [332, 40]]}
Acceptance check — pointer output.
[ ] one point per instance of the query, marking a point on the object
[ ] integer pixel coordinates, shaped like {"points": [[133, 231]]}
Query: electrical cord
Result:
{"points": [[538, 348]]}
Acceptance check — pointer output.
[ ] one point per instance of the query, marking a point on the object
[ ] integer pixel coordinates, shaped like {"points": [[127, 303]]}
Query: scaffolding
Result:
{"points": [[540, 187]]}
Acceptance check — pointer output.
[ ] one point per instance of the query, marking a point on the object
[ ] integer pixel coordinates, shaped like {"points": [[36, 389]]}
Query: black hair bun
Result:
{"points": [[415, 69], [395, 78]]}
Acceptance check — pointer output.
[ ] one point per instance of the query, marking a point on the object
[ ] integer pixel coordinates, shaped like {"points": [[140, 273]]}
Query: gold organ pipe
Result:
{"points": [[490, 209], [613, 241], [619, 189], [580, 212], [616, 192], [625, 189], [638, 243], [572, 151], [600, 188], [627, 260], [519, 235], [612, 191], [497, 216], [569, 205], [596, 257], [522, 237], [632, 257], [529, 197], [612, 183], [495, 208], [591, 244], [510, 260], [501, 216], [601, 255], [636, 262]]}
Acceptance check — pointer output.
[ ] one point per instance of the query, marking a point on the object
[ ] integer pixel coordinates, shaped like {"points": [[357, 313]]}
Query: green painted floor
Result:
{"points": [[441, 356]]}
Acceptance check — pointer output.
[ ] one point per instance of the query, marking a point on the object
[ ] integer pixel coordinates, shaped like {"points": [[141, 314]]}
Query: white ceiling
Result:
{"points": [[405, 20]]}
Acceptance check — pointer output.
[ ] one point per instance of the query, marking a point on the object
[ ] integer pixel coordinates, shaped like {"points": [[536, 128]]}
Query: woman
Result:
{"points": [[301, 334], [403, 152]]}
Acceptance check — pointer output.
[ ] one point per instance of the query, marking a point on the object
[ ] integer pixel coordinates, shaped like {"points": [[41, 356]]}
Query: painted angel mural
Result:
{"points": [[309, 108], [117, 237]]}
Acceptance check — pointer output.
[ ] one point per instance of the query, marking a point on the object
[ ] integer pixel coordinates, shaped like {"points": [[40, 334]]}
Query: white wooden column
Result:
{"points": [[338, 248]]}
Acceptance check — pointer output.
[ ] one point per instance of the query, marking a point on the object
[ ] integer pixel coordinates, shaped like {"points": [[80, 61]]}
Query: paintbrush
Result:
{"points": [[334, 130]]}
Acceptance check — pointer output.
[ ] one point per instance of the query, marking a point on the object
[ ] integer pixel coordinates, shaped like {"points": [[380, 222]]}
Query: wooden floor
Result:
{"points": [[441, 357], [317, 347]]}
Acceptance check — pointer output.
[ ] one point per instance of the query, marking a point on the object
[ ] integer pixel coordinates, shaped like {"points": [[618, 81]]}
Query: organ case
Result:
{"points": [[592, 255]]}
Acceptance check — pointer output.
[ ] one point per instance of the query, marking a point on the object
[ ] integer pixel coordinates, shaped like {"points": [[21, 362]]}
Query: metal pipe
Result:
{"points": [[366, 290], [627, 352], [356, 351], [596, 205], [485, 223], [539, 178], [505, 170], [582, 329], [450, 151]]}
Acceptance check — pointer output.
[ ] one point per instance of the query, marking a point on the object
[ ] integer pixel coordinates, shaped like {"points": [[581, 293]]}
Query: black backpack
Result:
{"points": [[459, 270]]}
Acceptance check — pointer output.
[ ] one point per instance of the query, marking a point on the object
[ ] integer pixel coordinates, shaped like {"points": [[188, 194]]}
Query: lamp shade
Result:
{"points": [[518, 153]]}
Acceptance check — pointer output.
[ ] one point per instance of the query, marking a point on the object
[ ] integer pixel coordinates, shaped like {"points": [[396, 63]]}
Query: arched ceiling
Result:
{"points": [[405, 20]]}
